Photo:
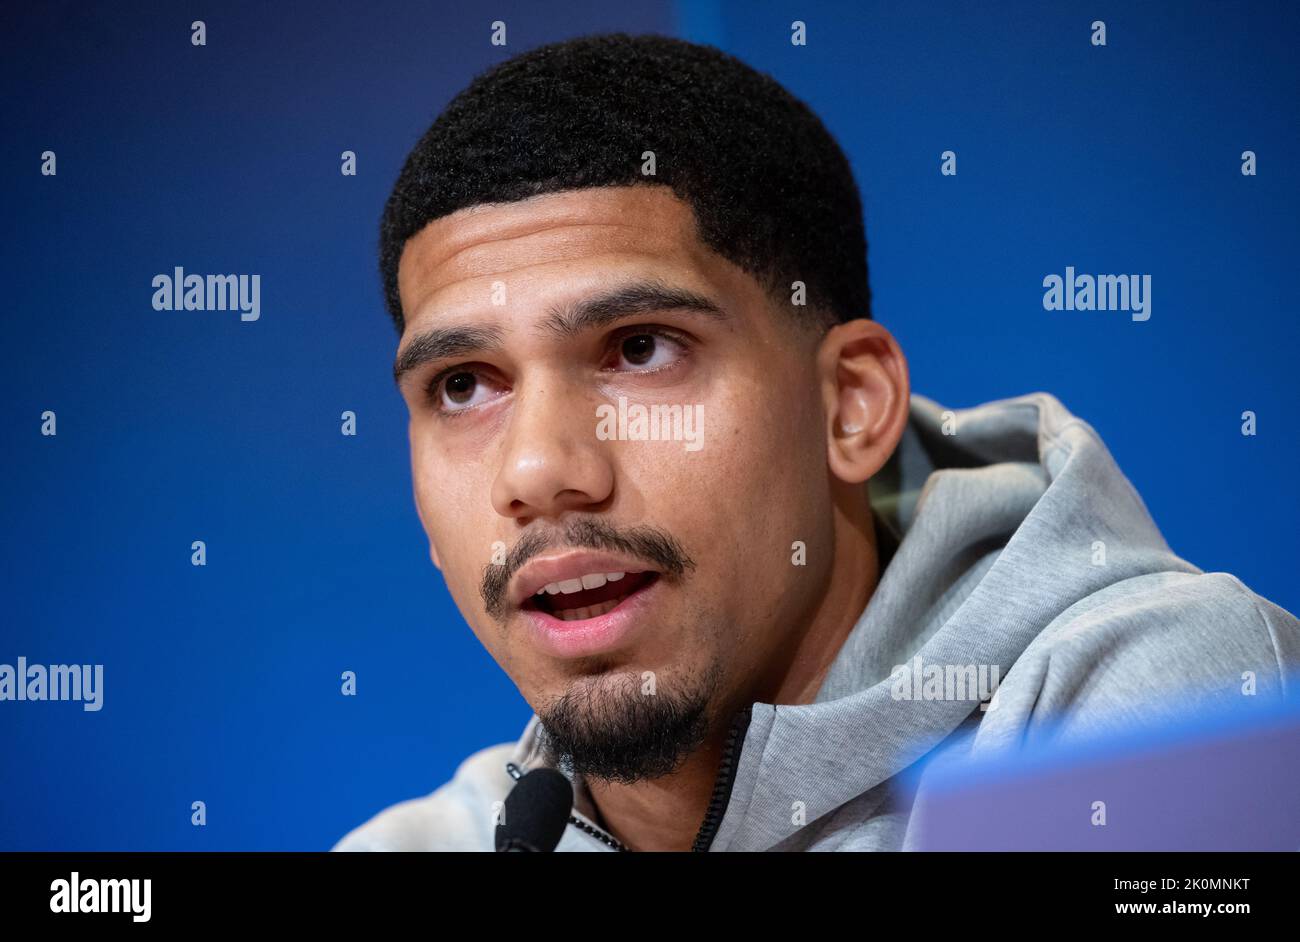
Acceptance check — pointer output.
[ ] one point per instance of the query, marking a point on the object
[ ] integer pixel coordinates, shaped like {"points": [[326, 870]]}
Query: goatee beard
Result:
{"points": [[608, 727]]}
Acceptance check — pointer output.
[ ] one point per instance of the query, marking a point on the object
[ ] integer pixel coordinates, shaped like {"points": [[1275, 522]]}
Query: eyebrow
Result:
{"points": [[563, 323]]}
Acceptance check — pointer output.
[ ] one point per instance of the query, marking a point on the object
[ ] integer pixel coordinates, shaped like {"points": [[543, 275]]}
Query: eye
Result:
{"points": [[646, 349], [457, 390]]}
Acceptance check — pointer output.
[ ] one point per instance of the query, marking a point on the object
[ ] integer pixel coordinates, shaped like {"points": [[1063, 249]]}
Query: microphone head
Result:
{"points": [[536, 812]]}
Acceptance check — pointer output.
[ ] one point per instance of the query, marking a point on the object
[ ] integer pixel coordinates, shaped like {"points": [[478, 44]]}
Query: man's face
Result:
{"points": [[523, 320]]}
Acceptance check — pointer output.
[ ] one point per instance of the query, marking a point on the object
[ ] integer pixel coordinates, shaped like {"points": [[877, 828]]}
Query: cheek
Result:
{"points": [[455, 513], [446, 487], [740, 501], [453, 497], [766, 456], [761, 487]]}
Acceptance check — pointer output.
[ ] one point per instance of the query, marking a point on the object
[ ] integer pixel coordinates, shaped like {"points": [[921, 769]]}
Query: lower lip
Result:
{"points": [[587, 636]]}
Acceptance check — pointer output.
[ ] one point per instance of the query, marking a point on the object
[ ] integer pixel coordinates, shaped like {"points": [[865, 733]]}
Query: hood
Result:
{"points": [[987, 518]]}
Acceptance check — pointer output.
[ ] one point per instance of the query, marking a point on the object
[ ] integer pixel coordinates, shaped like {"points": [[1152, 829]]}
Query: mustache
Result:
{"points": [[649, 544]]}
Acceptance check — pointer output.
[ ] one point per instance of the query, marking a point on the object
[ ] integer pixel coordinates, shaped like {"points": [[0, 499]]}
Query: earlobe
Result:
{"points": [[867, 397]]}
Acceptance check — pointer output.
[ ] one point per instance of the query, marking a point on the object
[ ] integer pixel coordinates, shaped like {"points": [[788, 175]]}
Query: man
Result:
{"points": [[678, 486]]}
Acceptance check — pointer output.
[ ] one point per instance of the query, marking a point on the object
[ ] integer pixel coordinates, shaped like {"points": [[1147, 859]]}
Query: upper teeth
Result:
{"points": [[591, 581]]}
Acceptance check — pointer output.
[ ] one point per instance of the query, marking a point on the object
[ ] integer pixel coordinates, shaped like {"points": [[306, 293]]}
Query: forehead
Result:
{"points": [[634, 226]]}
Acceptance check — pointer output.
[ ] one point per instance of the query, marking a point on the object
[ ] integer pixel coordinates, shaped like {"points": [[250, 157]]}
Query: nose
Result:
{"points": [[551, 459]]}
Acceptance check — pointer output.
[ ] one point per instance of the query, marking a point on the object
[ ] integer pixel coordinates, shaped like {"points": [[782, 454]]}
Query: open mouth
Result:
{"points": [[592, 602]]}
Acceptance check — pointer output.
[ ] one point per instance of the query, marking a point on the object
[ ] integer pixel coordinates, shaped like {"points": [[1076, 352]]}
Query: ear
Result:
{"points": [[867, 396]]}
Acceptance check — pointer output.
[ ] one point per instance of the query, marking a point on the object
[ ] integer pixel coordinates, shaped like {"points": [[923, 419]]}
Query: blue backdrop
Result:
{"points": [[221, 683]]}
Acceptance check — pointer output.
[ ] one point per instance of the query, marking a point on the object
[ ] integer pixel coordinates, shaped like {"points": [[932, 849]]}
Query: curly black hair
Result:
{"points": [[770, 189]]}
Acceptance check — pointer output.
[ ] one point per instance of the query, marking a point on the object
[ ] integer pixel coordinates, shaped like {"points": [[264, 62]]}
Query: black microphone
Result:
{"points": [[536, 813]]}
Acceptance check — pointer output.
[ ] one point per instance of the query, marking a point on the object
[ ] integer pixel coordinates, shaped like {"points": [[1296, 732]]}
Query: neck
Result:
{"points": [[665, 813]]}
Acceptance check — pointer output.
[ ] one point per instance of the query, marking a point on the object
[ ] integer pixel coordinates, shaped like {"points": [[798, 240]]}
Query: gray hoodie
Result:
{"points": [[1026, 596]]}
